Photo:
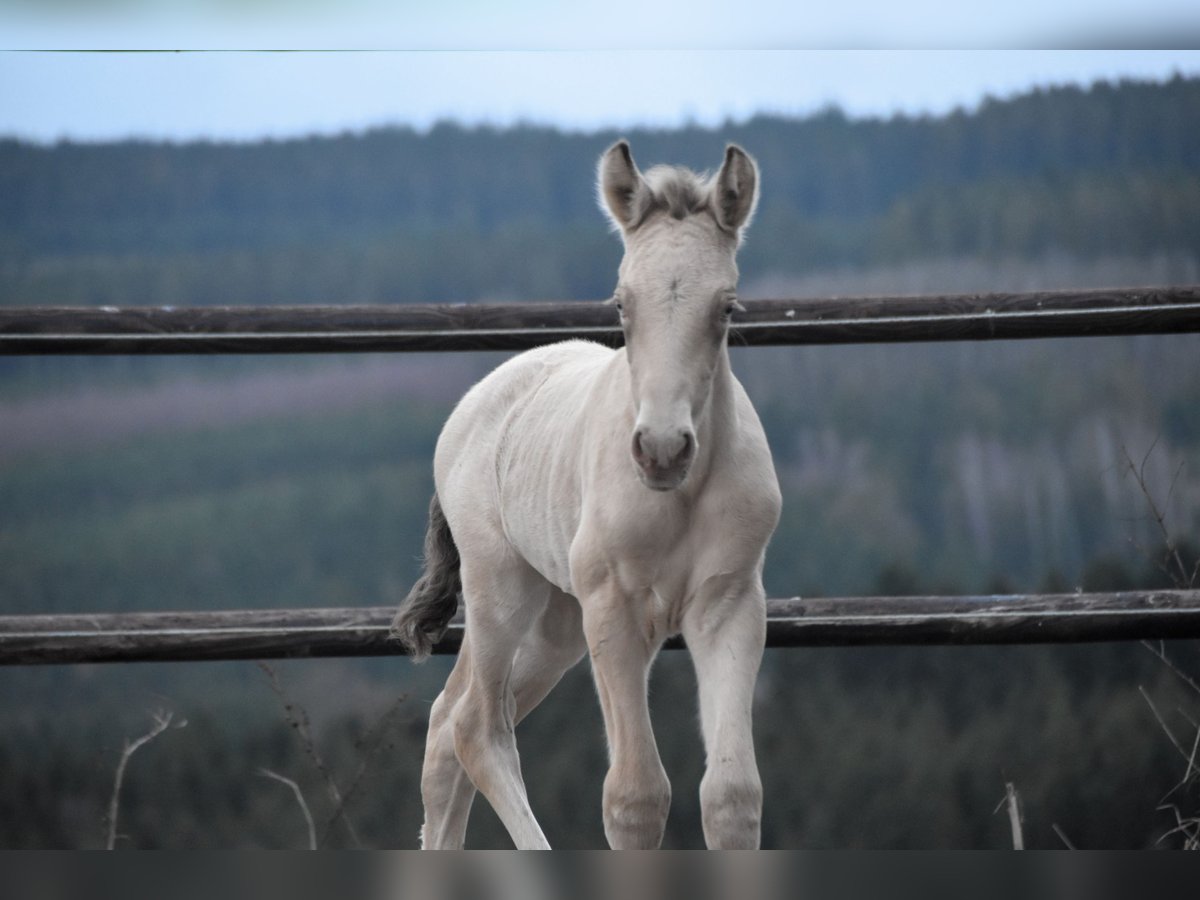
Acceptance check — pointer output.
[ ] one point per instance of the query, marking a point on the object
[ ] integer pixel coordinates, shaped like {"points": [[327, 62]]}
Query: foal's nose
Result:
{"points": [[663, 456]]}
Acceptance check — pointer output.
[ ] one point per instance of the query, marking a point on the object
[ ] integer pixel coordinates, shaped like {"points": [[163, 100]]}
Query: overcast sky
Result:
{"points": [[542, 61]]}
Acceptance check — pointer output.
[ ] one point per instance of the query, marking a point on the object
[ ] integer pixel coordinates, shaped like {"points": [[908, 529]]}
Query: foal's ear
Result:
{"points": [[620, 185], [735, 190]]}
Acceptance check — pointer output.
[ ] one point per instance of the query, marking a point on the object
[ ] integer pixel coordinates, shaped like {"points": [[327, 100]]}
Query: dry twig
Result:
{"points": [[1062, 836], [1012, 800], [1162, 723], [162, 721], [367, 747], [1189, 827], [312, 828], [1014, 816], [298, 719], [1161, 652], [1180, 576]]}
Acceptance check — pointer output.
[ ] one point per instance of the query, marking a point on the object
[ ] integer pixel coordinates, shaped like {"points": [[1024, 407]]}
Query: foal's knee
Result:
{"points": [[731, 806], [440, 756], [480, 729], [439, 712], [469, 739], [635, 809]]}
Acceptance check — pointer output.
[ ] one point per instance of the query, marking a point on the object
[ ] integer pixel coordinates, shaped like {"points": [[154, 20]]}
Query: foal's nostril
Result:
{"points": [[685, 452], [639, 453], [663, 455]]}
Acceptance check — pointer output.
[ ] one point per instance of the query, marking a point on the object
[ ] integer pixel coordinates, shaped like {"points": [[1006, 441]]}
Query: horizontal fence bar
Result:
{"points": [[519, 326], [794, 622]]}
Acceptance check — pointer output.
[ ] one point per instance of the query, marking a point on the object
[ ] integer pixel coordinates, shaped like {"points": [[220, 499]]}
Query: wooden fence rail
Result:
{"points": [[518, 326], [795, 622], [263, 634]]}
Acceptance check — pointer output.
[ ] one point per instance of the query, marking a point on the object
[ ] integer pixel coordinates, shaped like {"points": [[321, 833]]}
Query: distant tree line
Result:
{"points": [[397, 215]]}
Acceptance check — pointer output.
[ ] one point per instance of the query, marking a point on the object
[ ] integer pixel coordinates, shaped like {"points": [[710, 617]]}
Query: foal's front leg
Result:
{"points": [[725, 632], [637, 794]]}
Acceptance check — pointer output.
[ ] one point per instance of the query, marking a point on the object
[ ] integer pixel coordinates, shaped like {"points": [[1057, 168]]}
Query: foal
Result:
{"points": [[597, 500]]}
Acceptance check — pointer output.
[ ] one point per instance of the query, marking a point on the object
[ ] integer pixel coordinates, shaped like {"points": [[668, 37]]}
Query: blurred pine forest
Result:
{"points": [[251, 482]]}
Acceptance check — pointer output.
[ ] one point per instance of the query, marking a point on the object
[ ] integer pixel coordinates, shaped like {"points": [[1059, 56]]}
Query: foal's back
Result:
{"points": [[508, 461]]}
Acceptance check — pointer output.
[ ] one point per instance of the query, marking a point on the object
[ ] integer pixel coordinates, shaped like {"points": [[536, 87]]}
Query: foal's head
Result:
{"points": [[676, 292]]}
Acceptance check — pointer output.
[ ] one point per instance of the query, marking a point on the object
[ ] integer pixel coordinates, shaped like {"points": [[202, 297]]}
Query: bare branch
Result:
{"points": [[1180, 577], [1170, 561], [1183, 676], [1145, 459], [1162, 723], [1191, 766], [162, 721], [1062, 836], [367, 747], [1175, 478], [1159, 560], [297, 717], [1189, 828], [312, 828], [1012, 800]]}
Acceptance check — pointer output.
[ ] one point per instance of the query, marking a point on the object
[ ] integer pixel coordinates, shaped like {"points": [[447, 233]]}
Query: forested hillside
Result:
{"points": [[457, 213], [144, 483]]}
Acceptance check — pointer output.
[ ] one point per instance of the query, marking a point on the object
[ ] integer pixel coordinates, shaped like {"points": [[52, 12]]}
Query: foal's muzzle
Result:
{"points": [[663, 458]]}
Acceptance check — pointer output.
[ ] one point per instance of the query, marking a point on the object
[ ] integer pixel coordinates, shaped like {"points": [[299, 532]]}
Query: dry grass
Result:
{"points": [[1171, 562]]}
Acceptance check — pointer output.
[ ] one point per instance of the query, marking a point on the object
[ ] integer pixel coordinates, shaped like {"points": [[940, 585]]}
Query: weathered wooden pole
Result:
{"points": [[518, 326], [795, 622]]}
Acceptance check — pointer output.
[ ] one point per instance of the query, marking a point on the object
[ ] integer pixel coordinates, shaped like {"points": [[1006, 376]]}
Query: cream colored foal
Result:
{"points": [[597, 500]]}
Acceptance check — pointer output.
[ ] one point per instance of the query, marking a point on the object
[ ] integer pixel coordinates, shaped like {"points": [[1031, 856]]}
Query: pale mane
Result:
{"points": [[675, 190]]}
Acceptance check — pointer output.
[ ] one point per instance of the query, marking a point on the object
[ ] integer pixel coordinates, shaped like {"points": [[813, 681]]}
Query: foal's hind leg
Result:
{"points": [[504, 598], [554, 645], [446, 792]]}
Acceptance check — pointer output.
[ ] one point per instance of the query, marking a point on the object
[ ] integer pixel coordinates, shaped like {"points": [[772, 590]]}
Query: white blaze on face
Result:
{"points": [[676, 294]]}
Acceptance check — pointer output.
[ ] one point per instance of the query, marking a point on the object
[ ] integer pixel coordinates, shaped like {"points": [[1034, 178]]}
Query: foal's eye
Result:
{"points": [[731, 307]]}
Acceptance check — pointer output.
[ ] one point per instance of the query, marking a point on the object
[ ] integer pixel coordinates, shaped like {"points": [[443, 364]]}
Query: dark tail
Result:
{"points": [[433, 600]]}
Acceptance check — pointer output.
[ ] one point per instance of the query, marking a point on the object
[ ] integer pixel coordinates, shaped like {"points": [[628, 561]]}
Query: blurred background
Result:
{"points": [[449, 156]]}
